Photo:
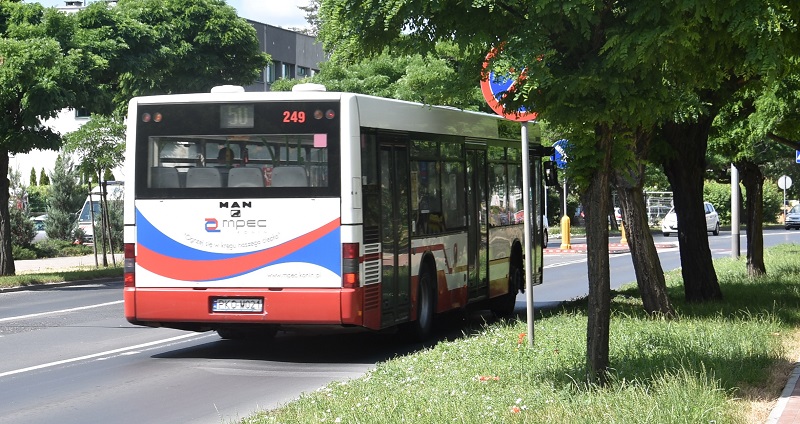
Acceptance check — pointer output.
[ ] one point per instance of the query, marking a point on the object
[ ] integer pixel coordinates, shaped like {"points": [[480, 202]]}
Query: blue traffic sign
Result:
{"points": [[797, 156], [560, 154]]}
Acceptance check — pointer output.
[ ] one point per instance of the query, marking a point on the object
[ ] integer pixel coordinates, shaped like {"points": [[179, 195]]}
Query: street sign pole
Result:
{"points": [[526, 204], [494, 88], [734, 212]]}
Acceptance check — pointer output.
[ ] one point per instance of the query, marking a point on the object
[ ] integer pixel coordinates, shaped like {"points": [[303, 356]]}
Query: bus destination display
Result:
{"points": [[236, 116]]}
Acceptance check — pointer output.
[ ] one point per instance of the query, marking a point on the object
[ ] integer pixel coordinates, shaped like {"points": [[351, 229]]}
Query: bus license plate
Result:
{"points": [[237, 304]]}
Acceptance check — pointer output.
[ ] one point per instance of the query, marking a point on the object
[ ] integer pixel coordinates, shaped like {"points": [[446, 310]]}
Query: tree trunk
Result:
{"points": [[596, 203], [6, 255], [649, 274], [685, 171], [753, 181]]}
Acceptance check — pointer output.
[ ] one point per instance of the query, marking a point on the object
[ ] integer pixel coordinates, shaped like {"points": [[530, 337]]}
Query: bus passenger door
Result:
{"points": [[477, 232], [395, 235]]}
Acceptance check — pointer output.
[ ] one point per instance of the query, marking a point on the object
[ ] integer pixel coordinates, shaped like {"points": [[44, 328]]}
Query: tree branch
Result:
{"points": [[784, 141], [512, 11]]}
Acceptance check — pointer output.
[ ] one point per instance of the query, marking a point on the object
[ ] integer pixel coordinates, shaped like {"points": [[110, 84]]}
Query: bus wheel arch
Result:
{"points": [[504, 305]]}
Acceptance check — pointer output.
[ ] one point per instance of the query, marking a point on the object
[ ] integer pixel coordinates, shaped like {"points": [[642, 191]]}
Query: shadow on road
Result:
{"points": [[333, 344]]}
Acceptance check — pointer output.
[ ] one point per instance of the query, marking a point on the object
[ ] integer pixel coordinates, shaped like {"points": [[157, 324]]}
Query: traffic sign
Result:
{"points": [[784, 182], [496, 87], [797, 156], [560, 154]]}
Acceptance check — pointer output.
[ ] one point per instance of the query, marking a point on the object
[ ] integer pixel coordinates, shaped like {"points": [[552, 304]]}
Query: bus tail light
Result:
{"points": [[350, 260], [129, 265]]}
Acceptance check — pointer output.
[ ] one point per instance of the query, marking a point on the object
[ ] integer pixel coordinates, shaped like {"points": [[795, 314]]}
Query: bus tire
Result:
{"points": [[503, 306], [421, 328]]}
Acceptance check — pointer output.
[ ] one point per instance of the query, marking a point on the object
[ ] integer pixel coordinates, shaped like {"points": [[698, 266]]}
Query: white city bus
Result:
{"points": [[251, 211]]}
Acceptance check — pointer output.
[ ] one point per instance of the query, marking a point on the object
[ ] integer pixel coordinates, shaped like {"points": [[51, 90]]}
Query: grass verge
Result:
{"points": [[83, 273], [721, 362]]}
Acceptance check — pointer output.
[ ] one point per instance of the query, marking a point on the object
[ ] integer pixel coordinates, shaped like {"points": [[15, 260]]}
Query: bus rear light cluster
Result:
{"points": [[350, 261], [129, 265], [155, 117]]}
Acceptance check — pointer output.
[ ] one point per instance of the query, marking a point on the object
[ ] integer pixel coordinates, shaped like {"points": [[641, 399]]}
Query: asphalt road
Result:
{"points": [[69, 356]]}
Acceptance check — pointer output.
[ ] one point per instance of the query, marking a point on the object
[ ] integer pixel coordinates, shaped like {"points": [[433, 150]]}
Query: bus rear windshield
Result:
{"points": [[247, 161], [211, 150]]}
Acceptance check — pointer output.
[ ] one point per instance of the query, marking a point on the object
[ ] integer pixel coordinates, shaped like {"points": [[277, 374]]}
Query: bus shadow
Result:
{"points": [[338, 346]]}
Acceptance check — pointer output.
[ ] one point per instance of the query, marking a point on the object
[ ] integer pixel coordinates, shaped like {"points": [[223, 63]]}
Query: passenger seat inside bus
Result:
{"points": [[245, 177], [164, 177], [203, 177], [289, 176]]}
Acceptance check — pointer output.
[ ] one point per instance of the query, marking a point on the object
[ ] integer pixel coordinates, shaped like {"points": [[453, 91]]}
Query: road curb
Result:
{"points": [[46, 286]]}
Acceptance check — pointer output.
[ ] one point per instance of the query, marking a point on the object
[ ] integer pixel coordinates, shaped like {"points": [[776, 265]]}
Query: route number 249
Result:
{"points": [[294, 116]]}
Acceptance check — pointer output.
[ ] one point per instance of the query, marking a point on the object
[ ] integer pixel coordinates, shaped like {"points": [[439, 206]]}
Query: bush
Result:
{"points": [[21, 253], [719, 195], [22, 232], [75, 250]]}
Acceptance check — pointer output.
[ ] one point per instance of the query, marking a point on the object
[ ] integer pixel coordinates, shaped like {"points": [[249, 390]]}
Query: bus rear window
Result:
{"points": [[238, 161]]}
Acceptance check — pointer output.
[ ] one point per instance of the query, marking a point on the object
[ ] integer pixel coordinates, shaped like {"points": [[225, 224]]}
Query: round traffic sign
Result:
{"points": [[784, 182], [495, 87]]}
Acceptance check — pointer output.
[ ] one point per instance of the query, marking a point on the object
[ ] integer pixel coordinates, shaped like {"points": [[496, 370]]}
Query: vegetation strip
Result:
{"points": [[723, 362]]}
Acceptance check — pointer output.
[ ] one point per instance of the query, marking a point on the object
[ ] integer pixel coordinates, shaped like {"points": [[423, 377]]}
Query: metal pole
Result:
{"points": [[526, 204], [734, 212]]}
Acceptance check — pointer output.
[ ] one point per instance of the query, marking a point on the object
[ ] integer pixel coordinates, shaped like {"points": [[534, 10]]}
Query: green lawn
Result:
{"points": [[717, 363], [86, 273]]}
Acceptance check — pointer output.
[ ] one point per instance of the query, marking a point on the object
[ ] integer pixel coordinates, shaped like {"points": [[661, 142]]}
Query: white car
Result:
{"points": [[38, 227], [670, 223], [793, 218]]}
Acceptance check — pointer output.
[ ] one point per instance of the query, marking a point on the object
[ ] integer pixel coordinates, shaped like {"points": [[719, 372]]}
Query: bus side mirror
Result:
{"points": [[550, 174]]}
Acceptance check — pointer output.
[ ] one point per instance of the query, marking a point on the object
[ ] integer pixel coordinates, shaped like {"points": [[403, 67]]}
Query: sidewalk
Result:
{"points": [[613, 248], [60, 264], [787, 409]]}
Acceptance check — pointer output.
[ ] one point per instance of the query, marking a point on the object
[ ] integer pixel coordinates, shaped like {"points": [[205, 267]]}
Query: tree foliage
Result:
{"points": [[100, 57], [64, 198], [605, 72], [177, 46]]}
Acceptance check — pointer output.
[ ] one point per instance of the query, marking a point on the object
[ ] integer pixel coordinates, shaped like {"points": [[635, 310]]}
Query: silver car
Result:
{"points": [[670, 223], [793, 218]]}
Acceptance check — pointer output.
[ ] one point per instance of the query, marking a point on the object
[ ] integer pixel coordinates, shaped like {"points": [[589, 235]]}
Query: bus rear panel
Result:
{"points": [[236, 215]]}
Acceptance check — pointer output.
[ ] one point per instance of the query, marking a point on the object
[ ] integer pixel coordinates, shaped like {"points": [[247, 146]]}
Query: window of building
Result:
{"points": [[82, 112], [287, 71], [270, 72]]}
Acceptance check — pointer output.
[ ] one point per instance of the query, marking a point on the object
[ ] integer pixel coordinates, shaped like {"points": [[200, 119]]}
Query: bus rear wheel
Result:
{"points": [[503, 306], [422, 327]]}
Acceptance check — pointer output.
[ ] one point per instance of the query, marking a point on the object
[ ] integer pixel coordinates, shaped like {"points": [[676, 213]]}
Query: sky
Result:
{"points": [[280, 13]]}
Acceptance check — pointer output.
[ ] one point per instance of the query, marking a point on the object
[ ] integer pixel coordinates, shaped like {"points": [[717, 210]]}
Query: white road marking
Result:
{"points": [[97, 355], [60, 311]]}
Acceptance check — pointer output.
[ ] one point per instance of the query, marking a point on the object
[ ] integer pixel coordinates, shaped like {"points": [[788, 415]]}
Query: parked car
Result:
{"points": [[669, 224], [793, 218], [38, 226]]}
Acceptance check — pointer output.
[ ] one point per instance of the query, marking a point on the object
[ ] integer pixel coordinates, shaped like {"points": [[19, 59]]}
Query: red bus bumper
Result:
{"points": [[171, 307]]}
